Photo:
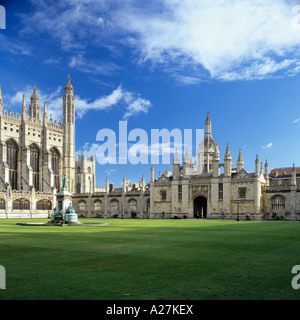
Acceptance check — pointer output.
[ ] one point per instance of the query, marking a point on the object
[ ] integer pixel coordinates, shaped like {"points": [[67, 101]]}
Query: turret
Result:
{"points": [[257, 187], [240, 162], [24, 111], [267, 171], [256, 166], [106, 185], [192, 165], [209, 145], [69, 134], [45, 114], [208, 125], [294, 180], [143, 185], [227, 162], [34, 107], [124, 185], [216, 163], [176, 164], [186, 164], [152, 174]]}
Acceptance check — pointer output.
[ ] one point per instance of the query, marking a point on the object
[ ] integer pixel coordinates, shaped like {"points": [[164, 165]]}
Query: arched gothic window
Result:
{"points": [[12, 161], [98, 205], [55, 166], [114, 206], [132, 205], [278, 203], [21, 204], [35, 165], [82, 205], [44, 205], [2, 204]]}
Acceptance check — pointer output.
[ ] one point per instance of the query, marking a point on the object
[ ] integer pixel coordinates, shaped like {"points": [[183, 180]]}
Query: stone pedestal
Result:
{"points": [[64, 212]]}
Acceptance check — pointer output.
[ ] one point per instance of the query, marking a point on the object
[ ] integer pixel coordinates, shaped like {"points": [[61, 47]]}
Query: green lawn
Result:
{"points": [[150, 259]]}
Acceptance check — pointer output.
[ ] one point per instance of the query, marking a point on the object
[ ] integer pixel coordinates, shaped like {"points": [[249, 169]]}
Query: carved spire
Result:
{"points": [[227, 153], [267, 171], [106, 185], [69, 86], [34, 96], [186, 159], [257, 166], [216, 161], [45, 115], [24, 111], [208, 139], [208, 123], [192, 163], [34, 107], [240, 162], [294, 180], [152, 174], [176, 158], [227, 162], [216, 154], [143, 185], [124, 184]]}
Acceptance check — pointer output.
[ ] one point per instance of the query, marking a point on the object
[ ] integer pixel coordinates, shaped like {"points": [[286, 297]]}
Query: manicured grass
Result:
{"points": [[150, 259]]}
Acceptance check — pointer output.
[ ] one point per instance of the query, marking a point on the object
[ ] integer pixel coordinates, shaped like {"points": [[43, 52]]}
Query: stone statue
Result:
{"points": [[70, 209], [64, 186]]}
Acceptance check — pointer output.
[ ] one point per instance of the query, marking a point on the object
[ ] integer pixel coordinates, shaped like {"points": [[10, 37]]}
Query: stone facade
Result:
{"points": [[205, 192], [35, 152]]}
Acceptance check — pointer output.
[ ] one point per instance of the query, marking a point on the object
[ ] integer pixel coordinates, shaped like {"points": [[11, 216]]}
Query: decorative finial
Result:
{"points": [[69, 85]]}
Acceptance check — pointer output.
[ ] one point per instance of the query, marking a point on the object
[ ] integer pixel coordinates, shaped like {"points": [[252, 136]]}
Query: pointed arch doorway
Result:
{"points": [[200, 207]]}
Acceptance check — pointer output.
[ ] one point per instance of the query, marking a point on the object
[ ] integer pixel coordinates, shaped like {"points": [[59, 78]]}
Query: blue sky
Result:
{"points": [[162, 64]]}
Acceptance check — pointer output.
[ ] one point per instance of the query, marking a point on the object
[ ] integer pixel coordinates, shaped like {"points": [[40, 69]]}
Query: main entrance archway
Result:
{"points": [[200, 207]]}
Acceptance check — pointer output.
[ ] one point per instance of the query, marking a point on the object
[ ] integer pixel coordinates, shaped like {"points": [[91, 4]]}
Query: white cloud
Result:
{"points": [[89, 149], [222, 39], [220, 36], [187, 80], [80, 63], [136, 105], [131, 103], [102, 103], [296, 120], [267, 146], [13, 47], [110, 171], [52, 60]]}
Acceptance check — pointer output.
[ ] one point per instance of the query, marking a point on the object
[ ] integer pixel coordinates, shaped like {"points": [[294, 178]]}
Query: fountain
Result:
{"points": [[64, 213]]}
